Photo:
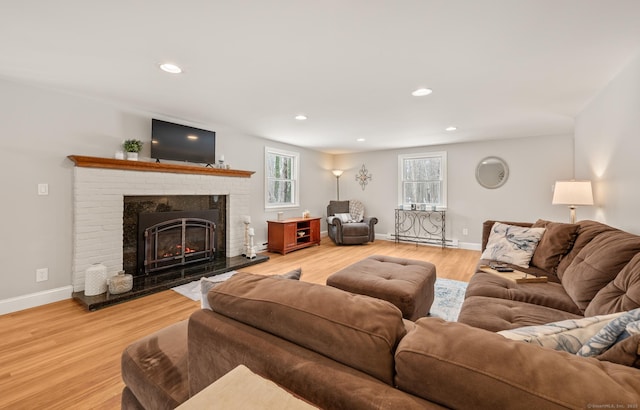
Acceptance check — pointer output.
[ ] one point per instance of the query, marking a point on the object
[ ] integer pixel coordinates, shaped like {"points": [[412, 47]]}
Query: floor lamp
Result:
{"points": [[572, 193], [337, 173]]}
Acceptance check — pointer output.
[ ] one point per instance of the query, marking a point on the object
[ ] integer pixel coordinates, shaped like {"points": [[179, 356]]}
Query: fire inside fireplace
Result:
{"points": [[173, 239]]}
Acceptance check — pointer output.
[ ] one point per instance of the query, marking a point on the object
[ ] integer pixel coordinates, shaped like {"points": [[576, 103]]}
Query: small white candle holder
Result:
{"points": [[249, 249], [251, 253]]}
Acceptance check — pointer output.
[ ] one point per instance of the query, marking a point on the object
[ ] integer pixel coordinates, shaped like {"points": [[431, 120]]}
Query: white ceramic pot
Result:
{"points": [[120, 283], [95, 280], [132, 156]]}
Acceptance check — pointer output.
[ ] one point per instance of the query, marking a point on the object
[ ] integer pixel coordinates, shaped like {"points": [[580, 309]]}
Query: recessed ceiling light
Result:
{"points": [[450, 129], [301, 117], [361, 140], [421, 92], [170, 68]]}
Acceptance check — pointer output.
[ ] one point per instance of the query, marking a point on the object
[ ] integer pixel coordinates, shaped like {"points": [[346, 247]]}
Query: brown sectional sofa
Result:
{"points": [[338, 350], [593, 269]]}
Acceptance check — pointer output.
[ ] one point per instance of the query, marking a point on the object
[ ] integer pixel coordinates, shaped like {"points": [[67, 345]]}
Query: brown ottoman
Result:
{"points": [[406, 283]]}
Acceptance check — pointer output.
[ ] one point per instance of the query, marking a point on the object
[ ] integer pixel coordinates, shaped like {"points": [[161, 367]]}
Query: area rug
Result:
{"points": [[448, 295], [193, 290]]}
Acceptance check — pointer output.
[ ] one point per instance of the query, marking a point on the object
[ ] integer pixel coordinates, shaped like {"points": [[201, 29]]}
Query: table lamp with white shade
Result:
{"points": [[572, 193]]}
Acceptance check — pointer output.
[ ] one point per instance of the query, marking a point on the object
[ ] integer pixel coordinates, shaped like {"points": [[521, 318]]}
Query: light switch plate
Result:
{"points": [[43, 189], [42, 274]]}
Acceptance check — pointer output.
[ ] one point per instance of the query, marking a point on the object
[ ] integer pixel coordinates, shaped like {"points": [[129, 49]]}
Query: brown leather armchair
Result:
{"points": [[353, 229]]}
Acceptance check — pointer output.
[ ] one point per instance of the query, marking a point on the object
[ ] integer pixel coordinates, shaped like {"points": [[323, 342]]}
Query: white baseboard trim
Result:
{"points": [[35, 299], [470, 246], [451, 243]]}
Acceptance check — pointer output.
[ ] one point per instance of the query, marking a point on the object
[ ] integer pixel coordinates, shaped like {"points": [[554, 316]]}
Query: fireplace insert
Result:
{"points": [[173, 239]]}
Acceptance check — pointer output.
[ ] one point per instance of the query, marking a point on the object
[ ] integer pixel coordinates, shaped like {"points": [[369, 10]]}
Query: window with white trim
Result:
{"points": [[422, 179], [281, 178]]}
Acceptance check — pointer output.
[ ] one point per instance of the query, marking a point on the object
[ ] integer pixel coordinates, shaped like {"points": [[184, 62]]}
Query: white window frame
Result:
{"points": [[443, 174], [295, 180]]}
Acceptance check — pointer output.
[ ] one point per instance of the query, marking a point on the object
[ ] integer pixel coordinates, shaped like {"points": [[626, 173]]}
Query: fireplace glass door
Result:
{"points": [[178, 242]]}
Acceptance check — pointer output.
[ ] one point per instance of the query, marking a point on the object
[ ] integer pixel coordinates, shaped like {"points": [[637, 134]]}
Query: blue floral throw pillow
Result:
{"points": [[567, 335], [512, 244]]}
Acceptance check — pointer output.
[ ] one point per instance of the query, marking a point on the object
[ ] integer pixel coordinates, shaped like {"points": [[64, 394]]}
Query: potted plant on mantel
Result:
{"points": [[132, 148]]}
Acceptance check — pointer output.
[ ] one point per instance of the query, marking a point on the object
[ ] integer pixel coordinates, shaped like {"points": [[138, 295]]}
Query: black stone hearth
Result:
{"points": [[146, 285]]}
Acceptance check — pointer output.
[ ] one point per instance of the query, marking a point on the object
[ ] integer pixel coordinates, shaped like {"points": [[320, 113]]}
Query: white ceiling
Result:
{"points": [[498, 68]]}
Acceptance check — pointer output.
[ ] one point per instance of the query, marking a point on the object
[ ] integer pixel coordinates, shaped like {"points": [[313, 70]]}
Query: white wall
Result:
{"points": [[534, 165], [40, 127], [607, 150]]}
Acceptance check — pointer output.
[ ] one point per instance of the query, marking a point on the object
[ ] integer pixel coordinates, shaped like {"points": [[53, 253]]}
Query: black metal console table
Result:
{"points": [[421, 226]]}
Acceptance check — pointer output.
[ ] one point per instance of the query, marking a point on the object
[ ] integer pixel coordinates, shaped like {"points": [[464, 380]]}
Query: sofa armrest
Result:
{"points": [[335, 224], [333, 220], [487, 225], [371, 221], [474, 368]]}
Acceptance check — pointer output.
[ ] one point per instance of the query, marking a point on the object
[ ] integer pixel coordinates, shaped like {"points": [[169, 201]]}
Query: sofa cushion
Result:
{"points": [[625, 352], [547, 294], [621, 294], [587, 230], [294, 274], [339, 207], [597, 264], [501, 314], [512, 244], [320, 318], [355, 229], [483, 370], [557, 241], [207, 283]]}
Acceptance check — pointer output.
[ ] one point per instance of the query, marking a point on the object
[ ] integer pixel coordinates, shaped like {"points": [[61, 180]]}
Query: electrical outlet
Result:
{"points": [[43, 189], [42, 274], [465, 231]]}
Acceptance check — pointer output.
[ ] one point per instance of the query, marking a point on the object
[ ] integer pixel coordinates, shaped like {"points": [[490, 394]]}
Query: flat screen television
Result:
{"points": [[177, 142]]}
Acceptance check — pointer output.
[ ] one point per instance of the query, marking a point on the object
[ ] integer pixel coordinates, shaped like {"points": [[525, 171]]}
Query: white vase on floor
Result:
{"points": [[95, 280]]}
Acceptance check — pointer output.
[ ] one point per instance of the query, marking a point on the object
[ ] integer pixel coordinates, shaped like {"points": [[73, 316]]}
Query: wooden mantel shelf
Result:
{"points": [[123, 164]]}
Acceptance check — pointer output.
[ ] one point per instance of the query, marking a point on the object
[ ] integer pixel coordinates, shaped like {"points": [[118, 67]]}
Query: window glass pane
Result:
{"points": [[280, 192], [422, 192], [422, 169], [279, 166], [270, 165]]}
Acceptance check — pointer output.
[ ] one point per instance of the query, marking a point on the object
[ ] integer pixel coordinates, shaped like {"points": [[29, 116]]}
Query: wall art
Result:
{"points": [[363, 177]]}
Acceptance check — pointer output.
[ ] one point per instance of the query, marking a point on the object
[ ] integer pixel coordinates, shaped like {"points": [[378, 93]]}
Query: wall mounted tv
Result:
{"points": [[177, 142]]}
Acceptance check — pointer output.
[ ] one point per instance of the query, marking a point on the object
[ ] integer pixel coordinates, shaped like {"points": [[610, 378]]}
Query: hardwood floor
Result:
{"points": [[59, 356]]}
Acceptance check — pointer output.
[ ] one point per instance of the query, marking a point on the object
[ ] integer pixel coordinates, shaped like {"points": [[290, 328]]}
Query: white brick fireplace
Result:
{"points": [[98, 210]]}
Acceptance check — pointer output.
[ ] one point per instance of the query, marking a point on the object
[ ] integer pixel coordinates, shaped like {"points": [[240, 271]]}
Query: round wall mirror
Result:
{"points": [[492, 172]]}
